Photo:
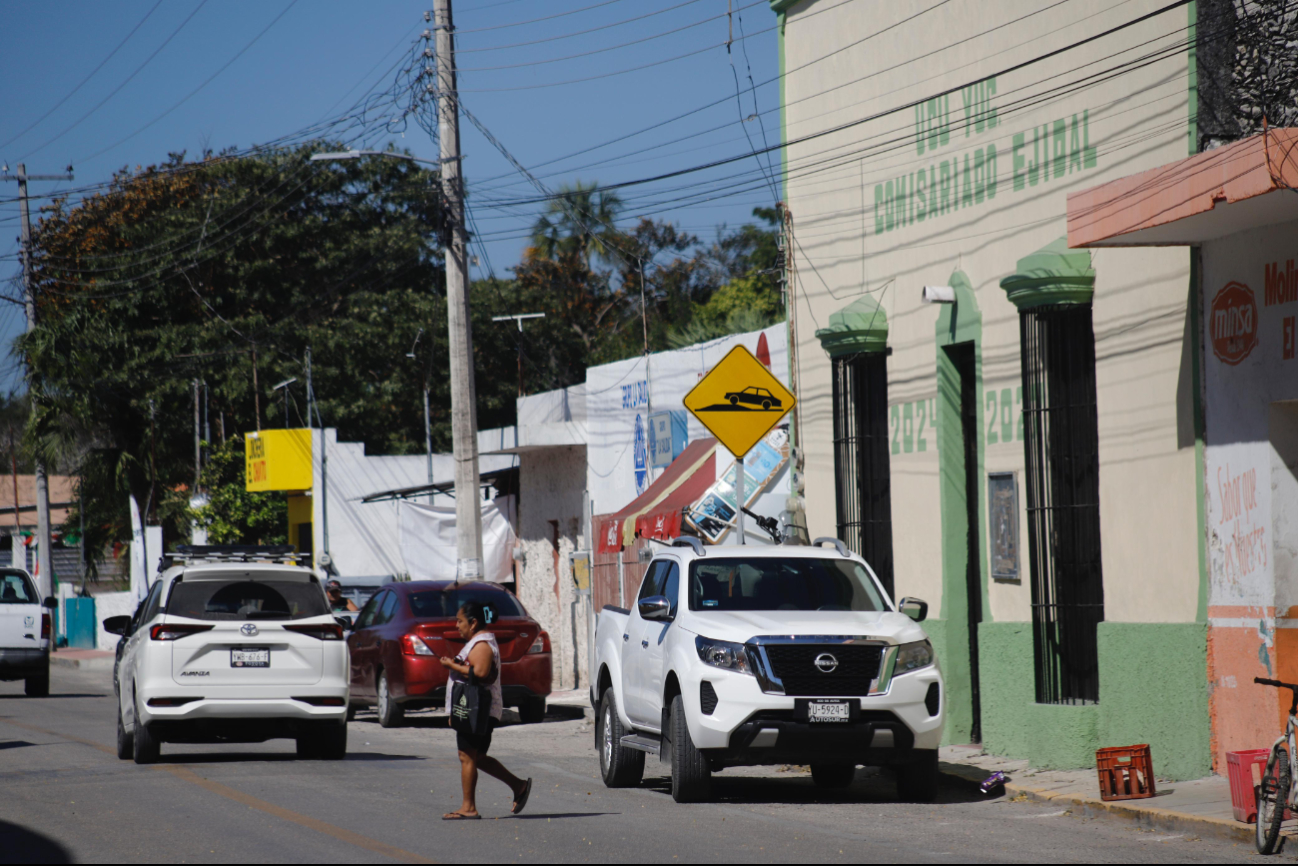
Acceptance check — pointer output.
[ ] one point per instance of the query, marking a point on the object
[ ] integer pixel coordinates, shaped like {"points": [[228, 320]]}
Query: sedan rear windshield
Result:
{"points": [[444, 603], [796, 583], [247, 598], [15, 588]]}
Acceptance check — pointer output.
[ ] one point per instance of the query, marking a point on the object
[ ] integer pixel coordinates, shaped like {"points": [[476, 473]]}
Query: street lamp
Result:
{"points": [[464, 415], [283, 386]]}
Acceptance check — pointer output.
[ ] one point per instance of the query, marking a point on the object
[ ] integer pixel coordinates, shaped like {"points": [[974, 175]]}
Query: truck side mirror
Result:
{"points": [[51, 603], [915, 608], [117, 624], [656, 608]]}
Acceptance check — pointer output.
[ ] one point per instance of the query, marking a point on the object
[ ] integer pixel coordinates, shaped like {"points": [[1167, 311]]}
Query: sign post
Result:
{"points": [[739, 401]]}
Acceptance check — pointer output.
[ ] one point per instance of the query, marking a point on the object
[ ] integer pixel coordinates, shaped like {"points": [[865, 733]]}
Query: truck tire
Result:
{"points": [[831, 776], [146, 748], [125, 742], [917, 781], [620, 766], [391, 713], [37, 686], [532, 711], [691, 776]]}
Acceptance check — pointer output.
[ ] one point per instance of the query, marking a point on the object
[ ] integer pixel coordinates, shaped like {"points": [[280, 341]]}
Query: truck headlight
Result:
{"points": [[723, 654], [913, 656]]}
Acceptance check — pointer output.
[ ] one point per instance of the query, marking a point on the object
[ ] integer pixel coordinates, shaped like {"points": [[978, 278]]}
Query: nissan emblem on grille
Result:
{"points": [[248, 629], [826, 663]]}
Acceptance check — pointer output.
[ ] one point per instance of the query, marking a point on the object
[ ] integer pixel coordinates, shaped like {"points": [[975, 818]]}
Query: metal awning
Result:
{"points": [[500, 479]]}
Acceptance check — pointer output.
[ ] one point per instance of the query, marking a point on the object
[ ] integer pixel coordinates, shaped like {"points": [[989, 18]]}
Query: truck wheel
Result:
{"points": [[38, 686], [620, 766], [532, 711], [917, 781], [147, 748], [830, 776], [391, 713], [691, 776], [125, 742]]}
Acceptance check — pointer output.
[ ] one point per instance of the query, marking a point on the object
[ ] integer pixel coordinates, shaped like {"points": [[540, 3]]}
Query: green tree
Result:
{"points": [[232, 514], [579, 220]]}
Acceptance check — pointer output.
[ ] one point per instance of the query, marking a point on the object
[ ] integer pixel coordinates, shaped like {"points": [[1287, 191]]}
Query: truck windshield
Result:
{"points": [[782, 584]]}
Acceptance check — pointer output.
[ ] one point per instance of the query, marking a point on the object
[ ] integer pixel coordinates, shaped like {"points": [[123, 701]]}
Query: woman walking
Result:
{"points": [[481, 654]]}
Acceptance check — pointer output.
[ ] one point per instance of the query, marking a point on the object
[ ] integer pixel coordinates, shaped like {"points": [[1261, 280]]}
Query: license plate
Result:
{"points": [[250, 657], [829, 711]]}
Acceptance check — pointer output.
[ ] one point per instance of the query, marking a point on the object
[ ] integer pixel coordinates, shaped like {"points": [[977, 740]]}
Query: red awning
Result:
{"points": [[656, 513]]}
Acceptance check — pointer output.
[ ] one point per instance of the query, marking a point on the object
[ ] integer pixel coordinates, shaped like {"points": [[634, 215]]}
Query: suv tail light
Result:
{"points": [[323, 631], [540, 645], [175, 631], [46, 627], [413, 645]]}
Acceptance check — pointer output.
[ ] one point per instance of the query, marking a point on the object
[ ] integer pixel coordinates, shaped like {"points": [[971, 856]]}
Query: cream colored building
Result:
{"points": [[934, 144]]}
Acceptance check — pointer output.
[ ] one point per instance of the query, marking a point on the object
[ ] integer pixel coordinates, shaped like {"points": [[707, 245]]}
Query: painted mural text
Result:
{"points": [[911, 426], [1245, 544], [635, 395], [1281, 285], [1049, 152]]}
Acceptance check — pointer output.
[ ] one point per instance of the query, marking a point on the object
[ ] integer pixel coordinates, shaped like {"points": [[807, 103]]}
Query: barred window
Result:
{"points": [[1061, 445], [863, 486]]}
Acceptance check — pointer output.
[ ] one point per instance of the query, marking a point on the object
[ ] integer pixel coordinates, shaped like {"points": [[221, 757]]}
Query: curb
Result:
{"points": [[92, 664], [1147, 818]]}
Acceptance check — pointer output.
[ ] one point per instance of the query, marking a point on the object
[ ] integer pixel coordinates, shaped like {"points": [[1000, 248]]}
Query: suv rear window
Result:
{"points": [[15, 588], [247, 598], [444, 603]]}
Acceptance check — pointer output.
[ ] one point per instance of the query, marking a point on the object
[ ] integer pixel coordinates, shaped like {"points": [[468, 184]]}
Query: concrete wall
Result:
{"points": [[865, 221], [1250, 491], [550, 503]]}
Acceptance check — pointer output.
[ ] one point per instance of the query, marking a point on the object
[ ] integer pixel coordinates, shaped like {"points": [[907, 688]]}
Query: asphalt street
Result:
{"points": [[67, 798]]}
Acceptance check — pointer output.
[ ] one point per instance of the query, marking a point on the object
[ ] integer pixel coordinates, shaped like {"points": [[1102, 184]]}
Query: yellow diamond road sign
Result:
{"points": [[739, 401]]}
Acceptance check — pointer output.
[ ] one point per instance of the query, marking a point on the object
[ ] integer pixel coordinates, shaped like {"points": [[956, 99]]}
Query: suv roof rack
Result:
{"points": [[190, 554], [842, 548]]}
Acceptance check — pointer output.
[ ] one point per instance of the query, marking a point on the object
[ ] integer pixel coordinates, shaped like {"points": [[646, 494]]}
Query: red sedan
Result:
{"points": [[406, 627]]}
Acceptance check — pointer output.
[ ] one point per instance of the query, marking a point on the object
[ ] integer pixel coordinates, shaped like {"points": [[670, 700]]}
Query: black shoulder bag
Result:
{"points": [[471, 706]]}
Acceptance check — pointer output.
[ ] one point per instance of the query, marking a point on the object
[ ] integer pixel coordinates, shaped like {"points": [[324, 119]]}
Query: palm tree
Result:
{"points": [[579, 220]]}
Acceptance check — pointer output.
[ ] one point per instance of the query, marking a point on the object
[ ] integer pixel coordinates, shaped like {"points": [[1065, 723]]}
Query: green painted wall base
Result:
{"points": [[1153, 689], [955, 672]]}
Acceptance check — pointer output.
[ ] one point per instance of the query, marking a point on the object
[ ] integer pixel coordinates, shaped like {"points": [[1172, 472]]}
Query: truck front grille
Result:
{"points": [[794, 664]]}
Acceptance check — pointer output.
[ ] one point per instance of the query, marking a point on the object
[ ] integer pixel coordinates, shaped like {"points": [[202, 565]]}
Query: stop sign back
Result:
{"points": [[1233, 326]]}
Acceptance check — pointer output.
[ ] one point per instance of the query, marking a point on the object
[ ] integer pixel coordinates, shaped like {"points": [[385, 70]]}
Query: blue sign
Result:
{"points": [[668, 435], [641, 453]]}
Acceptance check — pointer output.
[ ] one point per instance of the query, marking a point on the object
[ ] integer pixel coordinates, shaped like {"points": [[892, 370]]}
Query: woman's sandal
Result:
{"points": [[460, 816], [520, 802]]}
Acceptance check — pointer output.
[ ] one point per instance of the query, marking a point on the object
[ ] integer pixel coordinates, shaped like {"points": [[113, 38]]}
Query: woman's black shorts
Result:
{"points": [[479, 743]]}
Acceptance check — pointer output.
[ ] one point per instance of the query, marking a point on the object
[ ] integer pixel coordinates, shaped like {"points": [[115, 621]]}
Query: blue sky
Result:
{"points": [[315, 60]]}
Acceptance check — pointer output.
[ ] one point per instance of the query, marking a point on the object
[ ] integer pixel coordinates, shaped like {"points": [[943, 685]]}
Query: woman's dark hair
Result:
{"points": [[474, 611]]}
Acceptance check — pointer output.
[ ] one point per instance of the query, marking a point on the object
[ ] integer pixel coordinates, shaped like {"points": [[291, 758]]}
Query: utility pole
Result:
{"points": [[44, 538], [464, 412], [519, 317], [198, 440]]}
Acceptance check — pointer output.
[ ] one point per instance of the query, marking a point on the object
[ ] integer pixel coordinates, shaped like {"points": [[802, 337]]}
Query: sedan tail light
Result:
{"points": [[323, 630], [413, 645], [175, 631], [540, 645], [45, 626]]}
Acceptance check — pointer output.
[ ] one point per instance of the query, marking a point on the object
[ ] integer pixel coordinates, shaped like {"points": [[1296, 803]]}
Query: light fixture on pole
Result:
{"points": [[283, 386], [938, 295], [519, 317]]}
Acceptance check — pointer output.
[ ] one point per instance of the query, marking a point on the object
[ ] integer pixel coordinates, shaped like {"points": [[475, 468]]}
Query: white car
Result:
{"points": [[739, 656], [227, 648], [24, 632]]}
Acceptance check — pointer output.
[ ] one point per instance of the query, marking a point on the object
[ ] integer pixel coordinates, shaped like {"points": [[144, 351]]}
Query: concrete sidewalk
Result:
{"points": [[84, 659], [1200, 807], [579, 698]]}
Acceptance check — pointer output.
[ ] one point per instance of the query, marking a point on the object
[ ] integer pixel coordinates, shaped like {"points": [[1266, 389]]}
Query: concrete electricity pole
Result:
{"points": [[44, 539], [464, 412]]}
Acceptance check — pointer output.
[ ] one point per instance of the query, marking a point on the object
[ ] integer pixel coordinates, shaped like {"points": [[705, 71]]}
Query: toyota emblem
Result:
{"points": [[250, 630], [826, 663]]}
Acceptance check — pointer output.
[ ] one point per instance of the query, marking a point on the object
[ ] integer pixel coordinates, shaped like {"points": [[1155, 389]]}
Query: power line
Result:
{"points": [[537, 20]]}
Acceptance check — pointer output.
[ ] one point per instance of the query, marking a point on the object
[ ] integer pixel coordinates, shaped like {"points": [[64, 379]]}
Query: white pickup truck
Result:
{"points": [[24, 632], [737, 656]]}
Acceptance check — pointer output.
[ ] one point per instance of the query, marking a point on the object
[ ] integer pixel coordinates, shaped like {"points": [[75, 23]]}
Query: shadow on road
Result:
{"points": [[548, 815], [55, 695], [271, 757], [20, 845], [870, 786], [14, 744]]}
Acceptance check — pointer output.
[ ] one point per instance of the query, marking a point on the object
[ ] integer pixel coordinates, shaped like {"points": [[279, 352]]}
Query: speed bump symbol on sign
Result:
{"points": [[739, 401]]}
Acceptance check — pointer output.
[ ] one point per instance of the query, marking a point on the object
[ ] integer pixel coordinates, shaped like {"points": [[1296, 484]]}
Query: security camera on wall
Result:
{"points": [[938, 295]]}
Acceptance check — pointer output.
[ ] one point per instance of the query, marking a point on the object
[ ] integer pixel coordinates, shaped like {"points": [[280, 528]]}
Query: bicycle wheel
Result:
{"points": [[1272, 795]]}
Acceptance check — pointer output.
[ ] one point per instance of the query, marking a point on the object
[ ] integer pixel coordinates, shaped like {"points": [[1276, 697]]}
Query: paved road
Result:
{"points": [[64, 797]]}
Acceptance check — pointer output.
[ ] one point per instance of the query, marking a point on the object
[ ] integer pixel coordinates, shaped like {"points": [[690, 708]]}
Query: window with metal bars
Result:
{"points": [[1061, 445], [863, 486]]}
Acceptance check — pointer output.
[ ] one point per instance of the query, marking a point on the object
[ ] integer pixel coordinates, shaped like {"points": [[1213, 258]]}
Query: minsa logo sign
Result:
{"points": [[1233, 326]]}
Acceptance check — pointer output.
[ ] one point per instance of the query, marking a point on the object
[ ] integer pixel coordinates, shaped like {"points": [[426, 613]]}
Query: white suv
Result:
{"points": [[738, 656], [24, 632], [230, 647]]}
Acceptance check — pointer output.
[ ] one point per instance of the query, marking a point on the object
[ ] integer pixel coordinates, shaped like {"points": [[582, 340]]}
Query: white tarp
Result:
{"points": [[139, 571], [428, 540]]}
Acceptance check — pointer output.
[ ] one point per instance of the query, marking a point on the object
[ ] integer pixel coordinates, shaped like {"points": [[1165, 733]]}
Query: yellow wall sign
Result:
{"points": [[739, 401], [277, 460]]}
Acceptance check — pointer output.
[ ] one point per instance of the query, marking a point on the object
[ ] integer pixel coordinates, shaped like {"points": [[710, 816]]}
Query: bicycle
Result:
{"points": [[1275, 795]]}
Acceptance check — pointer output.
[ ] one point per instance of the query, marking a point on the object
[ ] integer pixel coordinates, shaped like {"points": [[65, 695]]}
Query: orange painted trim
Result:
{"points": [[1234, 172]]}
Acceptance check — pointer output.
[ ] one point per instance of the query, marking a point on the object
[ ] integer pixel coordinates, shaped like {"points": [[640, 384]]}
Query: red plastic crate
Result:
{"points": [[1243, 787], [1126, 772]]}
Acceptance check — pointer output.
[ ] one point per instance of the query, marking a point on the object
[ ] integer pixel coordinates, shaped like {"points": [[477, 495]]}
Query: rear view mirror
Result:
{"points": [[51, 602], [117, 624], [915, 608], [656, 608]]}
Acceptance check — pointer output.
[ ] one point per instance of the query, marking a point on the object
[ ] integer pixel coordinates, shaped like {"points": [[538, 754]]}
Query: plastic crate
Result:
{"points": [[1126, 772], [1243, 782]]}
